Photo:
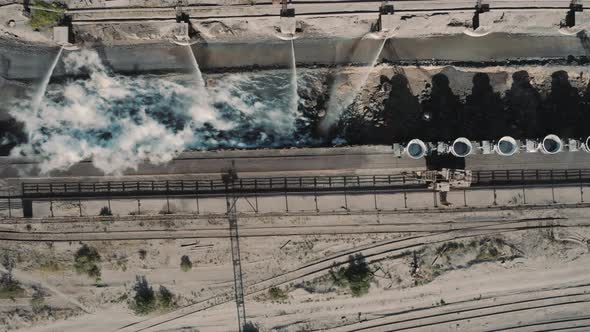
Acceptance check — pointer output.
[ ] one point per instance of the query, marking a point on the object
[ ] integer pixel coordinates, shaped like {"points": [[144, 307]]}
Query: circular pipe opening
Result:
{"points": [[551, 144], [416, 149], [461, 147], [507, 146], [586, 146]]}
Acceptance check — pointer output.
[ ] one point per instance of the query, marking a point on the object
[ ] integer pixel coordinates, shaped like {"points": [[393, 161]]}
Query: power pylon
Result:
{"points": [[231, 199]]}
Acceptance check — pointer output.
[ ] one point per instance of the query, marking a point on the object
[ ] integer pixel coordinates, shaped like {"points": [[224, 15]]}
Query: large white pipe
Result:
{"points": [[461, 147], [551, 144], [586, 146], [416, 149], [506, 146]]}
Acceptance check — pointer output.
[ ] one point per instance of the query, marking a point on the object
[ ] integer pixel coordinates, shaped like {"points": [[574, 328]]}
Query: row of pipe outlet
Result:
{"points": [[505, 146]]}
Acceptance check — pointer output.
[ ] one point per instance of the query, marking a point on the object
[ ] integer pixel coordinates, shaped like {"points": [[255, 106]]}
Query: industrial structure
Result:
{"points": [[349, 188], [506, 146]]}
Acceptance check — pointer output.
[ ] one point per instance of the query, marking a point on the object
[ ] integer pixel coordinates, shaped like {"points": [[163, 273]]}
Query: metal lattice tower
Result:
{"points": [[231, 201]]}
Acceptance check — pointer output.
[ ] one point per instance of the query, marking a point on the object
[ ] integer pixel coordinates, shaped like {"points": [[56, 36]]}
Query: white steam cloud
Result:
{"points": [[119, 121]]}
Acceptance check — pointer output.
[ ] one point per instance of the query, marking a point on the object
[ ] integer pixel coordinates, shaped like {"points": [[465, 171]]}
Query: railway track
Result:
{"points": [[20, 232], [303, 9], [15, 221], [372, 253], [428, 317]]}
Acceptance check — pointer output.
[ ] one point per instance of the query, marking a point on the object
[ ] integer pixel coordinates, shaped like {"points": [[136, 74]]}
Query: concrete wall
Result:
{"points": [[30, 62]]}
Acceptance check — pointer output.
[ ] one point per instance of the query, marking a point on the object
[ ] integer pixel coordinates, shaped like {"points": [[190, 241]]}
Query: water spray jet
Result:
{"points": [[294, 91], [337, 105], [200, 83], [38, 97]]}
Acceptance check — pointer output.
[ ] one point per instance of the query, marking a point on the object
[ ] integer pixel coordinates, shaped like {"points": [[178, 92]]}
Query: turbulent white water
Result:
{"points": [[38, 97], [340, 101], [120, 121]]}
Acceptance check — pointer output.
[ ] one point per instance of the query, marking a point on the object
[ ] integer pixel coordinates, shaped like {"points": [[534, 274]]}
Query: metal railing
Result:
{"points": [[318, 184], [540, 176], [217, 186]]}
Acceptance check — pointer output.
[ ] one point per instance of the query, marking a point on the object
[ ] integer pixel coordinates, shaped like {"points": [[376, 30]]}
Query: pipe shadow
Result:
{"points": [[562, 108], [522, 103], [483, 116], [441, 108]]}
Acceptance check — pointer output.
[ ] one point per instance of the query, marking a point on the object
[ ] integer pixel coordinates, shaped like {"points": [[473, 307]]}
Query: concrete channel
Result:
{"points": [[28, 62]]}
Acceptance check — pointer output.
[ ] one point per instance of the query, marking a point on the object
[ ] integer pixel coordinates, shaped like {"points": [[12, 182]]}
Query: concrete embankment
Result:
{"points": [[20, 61]]}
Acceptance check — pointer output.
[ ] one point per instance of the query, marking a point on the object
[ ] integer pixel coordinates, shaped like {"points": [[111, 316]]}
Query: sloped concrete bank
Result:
{"points": [[19, 61]]}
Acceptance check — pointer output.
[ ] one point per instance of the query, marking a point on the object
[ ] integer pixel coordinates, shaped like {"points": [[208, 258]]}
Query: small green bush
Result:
{"points": [[144, 300], [165, 298], [38, 300], [105, 211], [47, 18], [356, 276], [86, 260], [50, 266], [250, 327], [142, 254], [277, 294], [10, 288], [185, 263]]}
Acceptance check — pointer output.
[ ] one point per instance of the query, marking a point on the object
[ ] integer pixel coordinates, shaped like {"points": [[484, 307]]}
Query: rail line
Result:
{"points": [[208, 216], [259, 231], [303, 8], [580, 295], [371, 253], [544, 324]]}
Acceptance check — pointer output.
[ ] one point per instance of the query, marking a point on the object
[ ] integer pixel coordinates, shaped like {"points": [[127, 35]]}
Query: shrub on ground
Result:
{"points": [[185, 263], [46, 15], [86, 261], [356, 276]]}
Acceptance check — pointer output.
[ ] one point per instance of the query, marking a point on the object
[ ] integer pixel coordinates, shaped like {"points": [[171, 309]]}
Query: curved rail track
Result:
{"points": [[372, 253], [430, 316]]}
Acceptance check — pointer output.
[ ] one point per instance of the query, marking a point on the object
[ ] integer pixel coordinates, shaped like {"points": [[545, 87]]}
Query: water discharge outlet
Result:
{"points": [[507, 146], [461, 147], [288, 23], [416, 149], [586, 146], [387, 20], [551, 144]]}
